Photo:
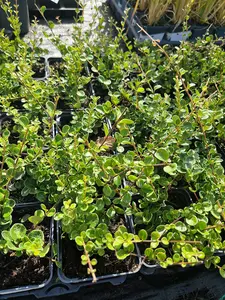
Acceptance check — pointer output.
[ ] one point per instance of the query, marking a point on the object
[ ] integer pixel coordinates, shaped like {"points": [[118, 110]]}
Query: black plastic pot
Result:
{"points": [[61, 8], [29, 289], [179, 198], [40, 69], [64, 101], [163, 34], [200, 31], [63, 119], [23, 16], [6, 119], [221, 149], [114, 279]]}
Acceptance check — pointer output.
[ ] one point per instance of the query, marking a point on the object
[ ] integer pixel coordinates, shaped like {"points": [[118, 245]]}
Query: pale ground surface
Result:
{"points": [[65, 29]]}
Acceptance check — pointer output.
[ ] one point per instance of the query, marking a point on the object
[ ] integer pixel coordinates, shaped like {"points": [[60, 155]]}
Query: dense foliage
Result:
{"points": [[152, 127]]}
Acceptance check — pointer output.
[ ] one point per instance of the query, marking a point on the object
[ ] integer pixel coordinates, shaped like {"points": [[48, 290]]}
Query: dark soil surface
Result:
{"points": [[57, 66], [24, 270], [39, 69], [107, 264], [21, 271]]}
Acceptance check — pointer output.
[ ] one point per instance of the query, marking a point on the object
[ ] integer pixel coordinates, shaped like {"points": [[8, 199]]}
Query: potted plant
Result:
{"points": [[70, 74], [26, 249], [91, 215]]}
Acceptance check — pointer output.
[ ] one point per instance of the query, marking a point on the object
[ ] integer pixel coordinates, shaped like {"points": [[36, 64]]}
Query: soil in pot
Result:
{"points": [[107, 264], [100, 90], [179, 198], [24, 270], [57, 65]]}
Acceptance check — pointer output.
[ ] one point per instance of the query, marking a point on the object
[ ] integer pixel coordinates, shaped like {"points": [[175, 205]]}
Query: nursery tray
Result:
{"points": [[61, 8], [30, 289], [162, 34], [167, 286]]}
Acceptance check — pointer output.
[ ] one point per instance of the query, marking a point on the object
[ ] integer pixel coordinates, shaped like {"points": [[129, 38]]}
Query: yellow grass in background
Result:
{"points": [[143, 4], [181, 8], [220, 14], [156, 11], [204, 10], [201, 11]]}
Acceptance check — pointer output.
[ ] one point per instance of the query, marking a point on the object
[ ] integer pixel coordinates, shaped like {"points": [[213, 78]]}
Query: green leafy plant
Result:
{"points": [[19, 240], [150, 129]]}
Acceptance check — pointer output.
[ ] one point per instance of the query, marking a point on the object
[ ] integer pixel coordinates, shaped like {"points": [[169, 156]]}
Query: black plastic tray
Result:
{"points": [[163, 34], [62, 8], [171, 286]]}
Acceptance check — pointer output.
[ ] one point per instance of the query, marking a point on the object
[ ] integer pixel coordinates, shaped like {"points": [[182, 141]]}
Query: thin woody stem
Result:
{"points": [[170, 241], [89, 264]]}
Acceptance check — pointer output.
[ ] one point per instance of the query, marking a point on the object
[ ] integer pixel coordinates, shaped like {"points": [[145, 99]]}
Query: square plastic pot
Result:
{"points": [[19, 290], [181, 199], [62, 104], [115, 279]]}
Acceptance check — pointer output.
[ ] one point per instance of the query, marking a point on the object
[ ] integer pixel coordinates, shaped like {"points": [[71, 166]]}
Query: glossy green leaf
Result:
{"points": [[162, 154], [143, 235]]}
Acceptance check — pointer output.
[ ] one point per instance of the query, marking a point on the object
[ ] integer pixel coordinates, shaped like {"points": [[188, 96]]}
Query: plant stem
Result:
{"points": [[89, 264]]}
